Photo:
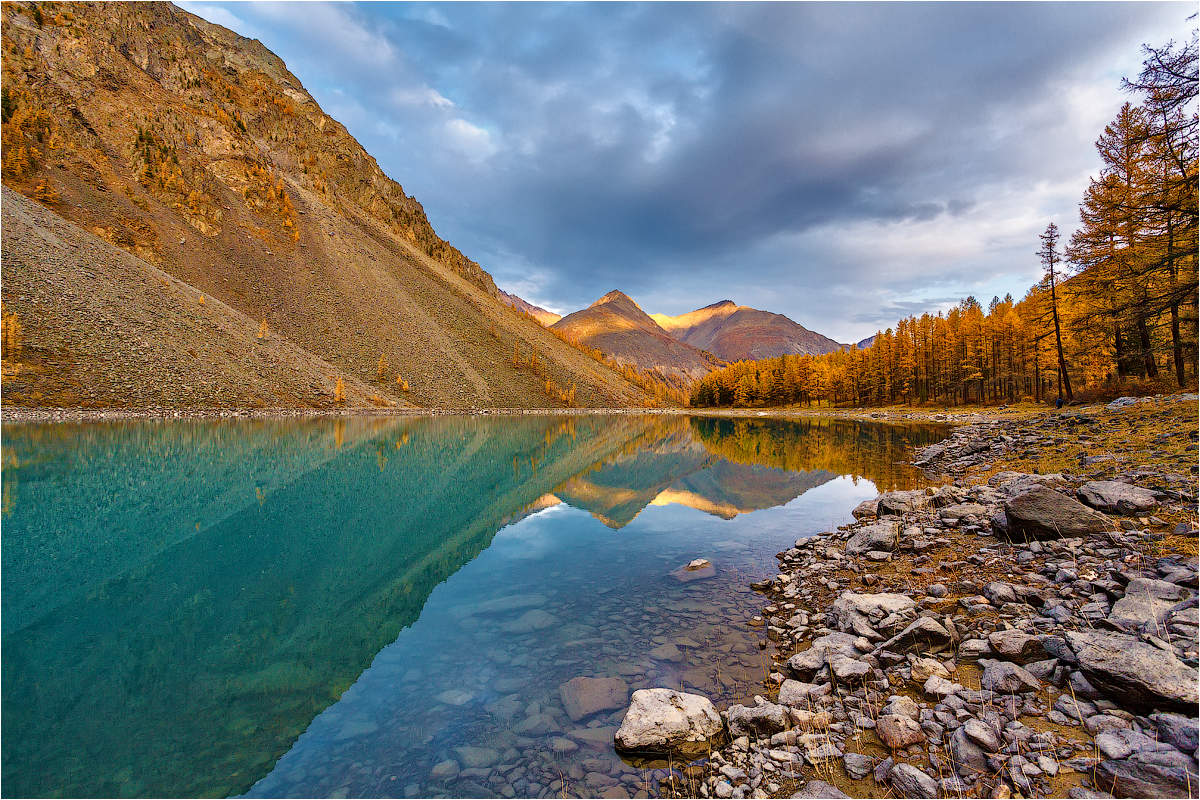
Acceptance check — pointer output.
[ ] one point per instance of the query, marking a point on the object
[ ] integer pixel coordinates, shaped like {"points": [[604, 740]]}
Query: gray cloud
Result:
{"points": [[840, 163]]}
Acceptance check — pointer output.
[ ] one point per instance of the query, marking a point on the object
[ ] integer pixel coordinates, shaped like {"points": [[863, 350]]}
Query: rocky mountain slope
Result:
{"points": [[543, 316], [616, 325], [196, 151], [735, 333]]}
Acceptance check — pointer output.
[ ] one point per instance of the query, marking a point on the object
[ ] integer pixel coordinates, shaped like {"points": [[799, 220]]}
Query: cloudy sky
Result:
{"points": [[845, 164]]}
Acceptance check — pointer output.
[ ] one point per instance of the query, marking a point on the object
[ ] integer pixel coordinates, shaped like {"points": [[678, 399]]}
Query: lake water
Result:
{"points": [[388, 606]]}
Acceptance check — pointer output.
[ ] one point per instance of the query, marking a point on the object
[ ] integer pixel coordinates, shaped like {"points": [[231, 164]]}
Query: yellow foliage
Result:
{"points": [[381, 367], [263, 329], [403, 384], [339, 391]]}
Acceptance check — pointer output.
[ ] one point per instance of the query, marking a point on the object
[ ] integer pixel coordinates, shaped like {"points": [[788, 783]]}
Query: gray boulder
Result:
{"points": [[1117, 497], [877, 536], [857, 765], [582, 697], [1018, 646], [1139, 766], [966, 756], [1006, 677], [799, 694], [1142, 675], [907, 502], [862, 614], [1177, 730], [761, 719], [666, 721], [1042, 513], [808, 663], [908, 781], [1146, 604]]}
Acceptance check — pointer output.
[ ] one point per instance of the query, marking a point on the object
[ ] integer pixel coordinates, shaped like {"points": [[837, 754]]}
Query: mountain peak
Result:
{"points": [[614, 296], [720, 304]]}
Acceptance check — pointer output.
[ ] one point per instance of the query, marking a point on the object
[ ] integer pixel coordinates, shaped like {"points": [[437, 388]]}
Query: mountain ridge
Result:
{"points": [[735, 332]]}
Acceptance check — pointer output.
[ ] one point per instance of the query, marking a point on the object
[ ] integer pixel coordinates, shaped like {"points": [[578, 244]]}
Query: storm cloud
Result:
{"points": [[841, 163]]}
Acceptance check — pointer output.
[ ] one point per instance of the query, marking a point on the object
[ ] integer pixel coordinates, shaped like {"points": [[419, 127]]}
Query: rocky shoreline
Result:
{"points": [[1002, 633]]}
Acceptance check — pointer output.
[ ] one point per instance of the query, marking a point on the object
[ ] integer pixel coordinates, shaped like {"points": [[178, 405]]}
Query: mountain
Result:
{"points": [[617, 326], [865, 343], [543, 316], [736, 333], [197, 153]]}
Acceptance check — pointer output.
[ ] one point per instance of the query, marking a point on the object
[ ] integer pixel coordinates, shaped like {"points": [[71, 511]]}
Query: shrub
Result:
{"points": [[263, 329]]}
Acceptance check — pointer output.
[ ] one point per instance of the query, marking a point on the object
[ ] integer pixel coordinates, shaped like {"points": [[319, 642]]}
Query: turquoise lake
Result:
{"points": [[388, 606]]}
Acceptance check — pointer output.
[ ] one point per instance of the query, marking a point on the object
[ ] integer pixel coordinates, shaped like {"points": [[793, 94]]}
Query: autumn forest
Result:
{"points": [[1116, 306]]}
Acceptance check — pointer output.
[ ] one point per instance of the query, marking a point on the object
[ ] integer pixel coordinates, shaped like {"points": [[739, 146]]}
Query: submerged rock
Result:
{"points": [[582, 696], [666, 721]]}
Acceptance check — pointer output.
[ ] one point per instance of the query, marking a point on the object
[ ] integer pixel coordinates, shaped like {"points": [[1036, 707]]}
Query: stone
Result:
{"points": [[1177, 730], [867, 509], [695, 570], [1042, 513], [1140, 766], [1146, 604], [878, 536], [924, 635], [1018, 646], [902, 706], [966, 756], [904, 502], [666, 652], [816, 789], [973, 650], [861, 614], [477, 757], [582, 696], [982, 734], [444, 769], [909, 781], [958, 511], [1000, 592], [848, 670], [665, 721], [804, 665], [763, 718], [530, 621], [923, 668], [937, 686], [1006, 677], [898, 732], [800, 694], [1142, 675], [1117, 497], [857, 765]]}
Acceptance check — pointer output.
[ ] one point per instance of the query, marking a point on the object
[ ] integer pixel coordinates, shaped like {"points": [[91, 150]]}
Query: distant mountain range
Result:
{"points": [[685, 347], [733, 333], [619, 327]]}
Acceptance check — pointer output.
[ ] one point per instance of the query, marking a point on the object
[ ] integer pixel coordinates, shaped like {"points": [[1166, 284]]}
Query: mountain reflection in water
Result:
{"points": [[182, 600]]}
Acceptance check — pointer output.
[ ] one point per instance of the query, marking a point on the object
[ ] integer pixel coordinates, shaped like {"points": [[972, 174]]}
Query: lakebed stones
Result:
{"points": [[806, 664], [922, 635], [665, 721], [1115, 497], [1042, 513], [582, 696], [1143, 675]]}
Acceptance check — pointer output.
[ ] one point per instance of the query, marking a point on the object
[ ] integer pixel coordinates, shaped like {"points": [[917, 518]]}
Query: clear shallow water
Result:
{"points": [[387, 607]]}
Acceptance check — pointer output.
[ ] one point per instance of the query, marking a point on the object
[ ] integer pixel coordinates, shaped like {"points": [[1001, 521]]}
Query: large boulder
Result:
{"points": [[1146, 604], [762, 719], [1042, 513], [899, 503], [1116, 497], [877, 536], [1141, 766], [1018, 646], [582, 697], [665, 721], [806, 664], [864, 614], [898, 731], [1139, 673], [966, 757]]}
